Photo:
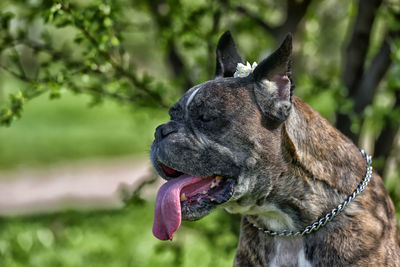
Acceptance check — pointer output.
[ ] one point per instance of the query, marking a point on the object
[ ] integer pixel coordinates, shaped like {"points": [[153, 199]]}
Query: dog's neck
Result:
{"points": [[325, 166], [322, 150]]}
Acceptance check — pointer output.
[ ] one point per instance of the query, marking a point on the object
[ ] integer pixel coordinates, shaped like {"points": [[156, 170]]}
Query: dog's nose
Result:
{"points": [[165, 130]]}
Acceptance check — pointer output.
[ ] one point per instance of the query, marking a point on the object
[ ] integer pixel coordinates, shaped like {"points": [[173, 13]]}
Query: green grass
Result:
{"points": [[67, 129], [119, 238]]}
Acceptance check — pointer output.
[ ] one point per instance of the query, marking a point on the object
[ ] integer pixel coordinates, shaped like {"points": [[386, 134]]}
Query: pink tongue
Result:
{"points": [[167, 217]]}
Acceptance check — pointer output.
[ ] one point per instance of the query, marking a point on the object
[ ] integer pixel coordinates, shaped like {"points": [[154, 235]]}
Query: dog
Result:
{"points": [[249, 145]]}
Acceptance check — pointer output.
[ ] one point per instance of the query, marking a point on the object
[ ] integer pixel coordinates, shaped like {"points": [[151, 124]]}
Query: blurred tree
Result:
{"points": [[149, 52], [361, 76]]}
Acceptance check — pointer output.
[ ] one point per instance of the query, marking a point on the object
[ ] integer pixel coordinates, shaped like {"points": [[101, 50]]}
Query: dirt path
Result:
{"points": [[82, 185]]}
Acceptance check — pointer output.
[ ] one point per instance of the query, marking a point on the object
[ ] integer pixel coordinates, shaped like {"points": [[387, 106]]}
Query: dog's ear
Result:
{"points": [[227, 56], [273, 86]]}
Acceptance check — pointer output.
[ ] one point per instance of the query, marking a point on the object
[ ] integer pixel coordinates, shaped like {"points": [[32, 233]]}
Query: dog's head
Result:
{"points": [[223, 135]]}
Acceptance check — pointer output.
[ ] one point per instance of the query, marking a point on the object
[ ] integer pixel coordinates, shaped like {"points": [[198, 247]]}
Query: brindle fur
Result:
{"points": [[290, 165], [365, 234]]}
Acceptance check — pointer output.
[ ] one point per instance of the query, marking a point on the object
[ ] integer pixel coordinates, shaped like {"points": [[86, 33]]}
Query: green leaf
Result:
{"points": [[5, 19]]}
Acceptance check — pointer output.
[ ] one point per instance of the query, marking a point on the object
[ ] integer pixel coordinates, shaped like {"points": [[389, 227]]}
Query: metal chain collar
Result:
{"points": [[333, 213]]}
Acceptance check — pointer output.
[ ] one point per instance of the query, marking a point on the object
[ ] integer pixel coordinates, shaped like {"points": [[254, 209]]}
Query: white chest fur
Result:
{"points": [[289, 252]]}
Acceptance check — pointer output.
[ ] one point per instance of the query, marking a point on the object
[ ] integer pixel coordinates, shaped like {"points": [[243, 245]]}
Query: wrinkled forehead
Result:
{"points": [[212, 91], [188, 97]]}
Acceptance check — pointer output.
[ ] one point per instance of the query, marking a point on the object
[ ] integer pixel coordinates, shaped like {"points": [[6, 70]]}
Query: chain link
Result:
{"points": [[334, 212]]}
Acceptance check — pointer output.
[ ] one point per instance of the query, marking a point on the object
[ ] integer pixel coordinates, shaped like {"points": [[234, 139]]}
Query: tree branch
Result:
{"points": [[366, 91], [15, 74], [173, 58], [354, 59], [356, 51], [295, 11], [385, 142], [177, 64], [386, 139], [210, 46], [141, 85], [18, 62], [92, 89], [257, 19], [378, 67]]}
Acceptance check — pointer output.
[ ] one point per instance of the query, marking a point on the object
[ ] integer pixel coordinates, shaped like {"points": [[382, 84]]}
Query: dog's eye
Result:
{"points": [[206, 117]]}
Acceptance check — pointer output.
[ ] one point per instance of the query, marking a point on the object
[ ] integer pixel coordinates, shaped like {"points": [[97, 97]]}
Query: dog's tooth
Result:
{"points": [[183, 197], [205, 192], [213, 184]]}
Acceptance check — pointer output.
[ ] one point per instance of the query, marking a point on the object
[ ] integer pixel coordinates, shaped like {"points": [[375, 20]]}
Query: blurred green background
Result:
{"points": [[92, 79]]}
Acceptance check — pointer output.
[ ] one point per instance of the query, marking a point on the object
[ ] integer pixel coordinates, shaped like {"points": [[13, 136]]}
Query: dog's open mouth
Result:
{"points": [[188, 197]]}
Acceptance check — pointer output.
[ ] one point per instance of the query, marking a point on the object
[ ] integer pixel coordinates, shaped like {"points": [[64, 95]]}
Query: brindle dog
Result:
{"points": [[248, 145]]}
